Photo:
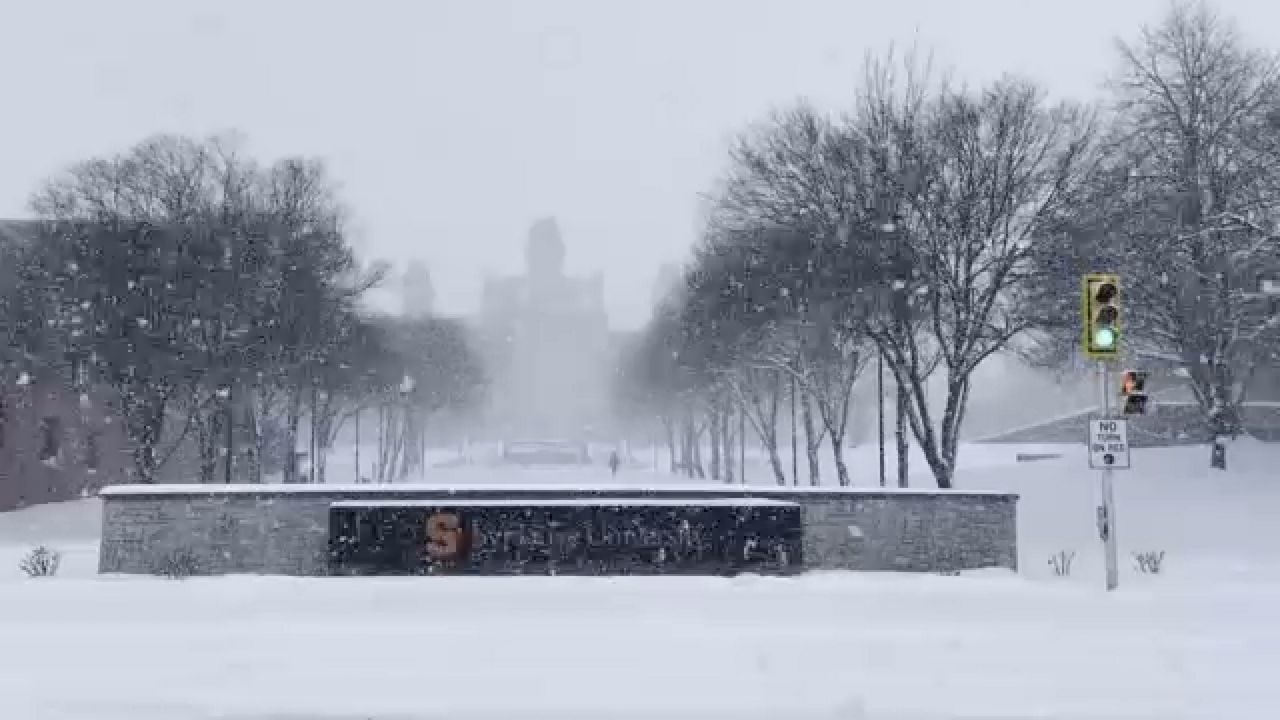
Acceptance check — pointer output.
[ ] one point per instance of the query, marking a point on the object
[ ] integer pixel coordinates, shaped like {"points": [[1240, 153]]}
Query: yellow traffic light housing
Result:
{"points": [[1133, 388], [1100, 310]]}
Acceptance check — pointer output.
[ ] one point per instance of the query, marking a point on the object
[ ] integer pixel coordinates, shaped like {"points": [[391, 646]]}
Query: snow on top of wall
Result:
{"points": [[504, 488]]}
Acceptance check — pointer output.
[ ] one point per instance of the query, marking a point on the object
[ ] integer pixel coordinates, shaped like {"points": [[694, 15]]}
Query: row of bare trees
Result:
{"points": [[932, 226], [1184, 204], [220, 300]]}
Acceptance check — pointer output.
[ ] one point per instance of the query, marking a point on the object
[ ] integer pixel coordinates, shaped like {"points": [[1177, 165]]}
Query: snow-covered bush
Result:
{"points": [[946, 560], [1061, 562], [179, 564], [41, 562], [1149, 562]]}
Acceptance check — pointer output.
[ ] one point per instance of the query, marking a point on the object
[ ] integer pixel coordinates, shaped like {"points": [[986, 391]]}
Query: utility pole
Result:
{"points": [[1100, 311], [1107, 512], [879, 244], [231, 437], [315, 401]]}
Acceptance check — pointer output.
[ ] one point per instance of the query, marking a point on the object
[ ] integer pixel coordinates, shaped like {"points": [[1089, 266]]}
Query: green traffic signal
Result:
{"points": [[1100, 315], [1104, 338]]}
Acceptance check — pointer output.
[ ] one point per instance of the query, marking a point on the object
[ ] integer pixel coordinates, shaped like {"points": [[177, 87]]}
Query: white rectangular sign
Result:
{"points": [[1109, 443]]}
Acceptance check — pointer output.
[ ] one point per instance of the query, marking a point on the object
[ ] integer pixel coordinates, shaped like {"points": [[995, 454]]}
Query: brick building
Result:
{"points": [[56, 442]]}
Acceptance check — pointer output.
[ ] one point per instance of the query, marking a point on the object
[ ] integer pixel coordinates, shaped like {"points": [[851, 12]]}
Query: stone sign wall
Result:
{"points": [[273, 529]]}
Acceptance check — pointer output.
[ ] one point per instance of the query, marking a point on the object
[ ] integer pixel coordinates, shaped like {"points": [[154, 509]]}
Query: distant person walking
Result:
{"points": [[614, 462]]}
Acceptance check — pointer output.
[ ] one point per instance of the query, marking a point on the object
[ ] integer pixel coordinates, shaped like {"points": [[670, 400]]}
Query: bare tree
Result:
{"points": [[973, 179], [794, 191], [195, 195], [1197, 129], [1184, 208], [825, 361], [831, 370], [252, 279]]}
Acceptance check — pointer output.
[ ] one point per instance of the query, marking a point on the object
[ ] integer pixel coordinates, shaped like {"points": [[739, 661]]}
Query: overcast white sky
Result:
{"points": [[453, 125]]}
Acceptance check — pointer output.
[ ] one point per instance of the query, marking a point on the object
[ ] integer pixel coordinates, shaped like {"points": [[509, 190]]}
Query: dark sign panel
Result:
{"points": [[578, 537]]}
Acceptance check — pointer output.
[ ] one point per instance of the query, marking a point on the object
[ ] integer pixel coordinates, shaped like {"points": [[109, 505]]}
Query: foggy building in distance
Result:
{"points": [[665, 285], [545, 337], [417, 294]]}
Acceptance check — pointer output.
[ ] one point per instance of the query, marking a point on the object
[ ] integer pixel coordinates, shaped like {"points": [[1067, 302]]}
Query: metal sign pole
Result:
{"points": [[1107, 513]]}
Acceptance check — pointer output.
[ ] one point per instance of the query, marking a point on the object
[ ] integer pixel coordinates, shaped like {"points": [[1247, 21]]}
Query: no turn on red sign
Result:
{"points": [[1109, 444]]}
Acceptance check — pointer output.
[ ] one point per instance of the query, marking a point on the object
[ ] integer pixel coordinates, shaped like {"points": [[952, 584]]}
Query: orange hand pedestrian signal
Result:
{"points": [[1133, 387]]}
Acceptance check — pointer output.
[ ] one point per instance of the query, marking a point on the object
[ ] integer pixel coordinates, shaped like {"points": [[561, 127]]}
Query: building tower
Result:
{"points": [[417, 295]]}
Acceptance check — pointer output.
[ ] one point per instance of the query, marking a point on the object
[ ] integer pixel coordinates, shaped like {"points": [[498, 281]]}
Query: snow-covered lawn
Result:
{"points": [[817, 647], [1198, 641]]}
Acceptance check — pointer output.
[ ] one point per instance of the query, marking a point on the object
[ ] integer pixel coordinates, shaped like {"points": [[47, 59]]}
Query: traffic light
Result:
{"points": [[1100, 305], [1134, 390]]}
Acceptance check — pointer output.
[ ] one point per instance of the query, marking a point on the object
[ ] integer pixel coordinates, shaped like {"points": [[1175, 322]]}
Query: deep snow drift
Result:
{"points": [[1196, 641]]}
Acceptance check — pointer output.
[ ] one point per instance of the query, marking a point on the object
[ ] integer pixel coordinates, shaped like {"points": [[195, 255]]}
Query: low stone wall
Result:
{"points": [[284, 529]]}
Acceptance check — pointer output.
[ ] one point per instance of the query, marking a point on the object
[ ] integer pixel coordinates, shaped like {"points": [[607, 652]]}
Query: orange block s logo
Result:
{"points": [[447, 539]]}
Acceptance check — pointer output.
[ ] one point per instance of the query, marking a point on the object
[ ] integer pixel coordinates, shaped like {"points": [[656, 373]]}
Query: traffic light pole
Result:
{"points": [[1107, 512]]}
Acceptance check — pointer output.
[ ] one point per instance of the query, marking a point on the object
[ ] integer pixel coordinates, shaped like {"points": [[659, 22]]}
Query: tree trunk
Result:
{"points": [[795, 433], [293, 420], [1221, 427], [812, 440], [379, 460], [208, 440], [253, 452], [837, 452], [144, 423], [726, 434], [686, 448], [713, 430], [322, 425], [695, 434], [670, 429], [775, 462], [229, 446], [321, 462], [837, 411], [462, 451], [412, 444], [408, 444], [392, 454], [900, 435], [763, 400]]}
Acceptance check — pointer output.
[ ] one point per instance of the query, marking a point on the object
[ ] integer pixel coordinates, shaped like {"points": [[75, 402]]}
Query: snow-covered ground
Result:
{"points": [[1197, 641]]}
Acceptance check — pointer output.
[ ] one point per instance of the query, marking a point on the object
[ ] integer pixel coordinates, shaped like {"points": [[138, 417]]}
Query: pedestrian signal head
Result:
{"points": [[1133, 387]]}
